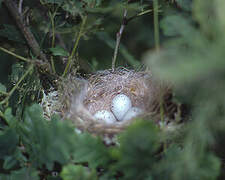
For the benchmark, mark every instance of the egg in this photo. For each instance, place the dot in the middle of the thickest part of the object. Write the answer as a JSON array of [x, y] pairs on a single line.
[[120, 105], [105, 116], [132, 113]]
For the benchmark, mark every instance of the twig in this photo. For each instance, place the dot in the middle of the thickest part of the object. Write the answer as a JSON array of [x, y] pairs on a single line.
[[25, 30], [2, 115], [119, 34], [75, 46], [156, 25], [36, 62], [4, 93], [16, 85], [52, 17], [139, 14], [20, 6], [15, 55], [118, 38]]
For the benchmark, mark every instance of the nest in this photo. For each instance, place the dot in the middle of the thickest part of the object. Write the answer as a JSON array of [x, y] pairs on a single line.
[[81, 98]]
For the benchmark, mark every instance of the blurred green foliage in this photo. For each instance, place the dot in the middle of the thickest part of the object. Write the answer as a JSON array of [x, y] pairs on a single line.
[[191, 58]]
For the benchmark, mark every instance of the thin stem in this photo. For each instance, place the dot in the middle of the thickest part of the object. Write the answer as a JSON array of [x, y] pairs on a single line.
[[3, 117], [1, 114], [139, 15], [4, 93], [156, 24], [162, 118], [52, 17], [52, 65], [118, 38], [16, 85], [15, 55], [20, 9], [75, 47], [35, 61]]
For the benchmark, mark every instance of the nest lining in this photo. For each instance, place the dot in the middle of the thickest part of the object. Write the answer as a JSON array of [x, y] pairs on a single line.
[[104, 86]]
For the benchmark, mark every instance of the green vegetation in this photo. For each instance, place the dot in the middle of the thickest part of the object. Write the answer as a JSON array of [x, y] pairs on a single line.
[[180, 41]]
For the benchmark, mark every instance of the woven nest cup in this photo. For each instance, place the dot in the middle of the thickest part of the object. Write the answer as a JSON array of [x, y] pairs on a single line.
[[93, 103]]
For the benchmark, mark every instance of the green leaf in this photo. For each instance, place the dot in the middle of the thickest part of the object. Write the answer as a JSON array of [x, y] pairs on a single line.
[[73, 172], [91, 149], [11, 120], [204, 165], [17, 71], [138, 145], [10, 32], [58, 51], [9, 162], [175, 25], [185, 4], [22, 174], [46, 142], [59, 2], [73, 7], [2, 88], [8, 142], [14, 160]]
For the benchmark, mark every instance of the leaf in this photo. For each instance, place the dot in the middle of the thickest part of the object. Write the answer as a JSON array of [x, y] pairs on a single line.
[[8, 142], [73, 172], [46, 142], [58, 51], [73, 7], [11, 33], [185, 4], [2, 88], [23, 174], [203, 166], [175, 25], [92, 3], [11, 120], [14, 160], [138, 145], [9, 162], [17, 71], [59, 2], [92, 150]]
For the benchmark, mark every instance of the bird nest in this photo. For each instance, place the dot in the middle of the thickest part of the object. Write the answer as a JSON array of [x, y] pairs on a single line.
[[107, 101]]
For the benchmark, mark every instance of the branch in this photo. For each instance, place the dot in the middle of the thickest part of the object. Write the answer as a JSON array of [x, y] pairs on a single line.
[[9, 94], [25, 30], [139, 14], [119, 34], [80, 33], [20, 9], [118, 38], [37, 62], [15, 55], [156, 24]]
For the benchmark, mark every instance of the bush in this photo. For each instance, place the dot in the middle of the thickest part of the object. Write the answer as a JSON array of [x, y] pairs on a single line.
[[185, 48]]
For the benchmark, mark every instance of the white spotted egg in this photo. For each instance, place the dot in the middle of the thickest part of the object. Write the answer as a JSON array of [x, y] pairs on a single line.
[[120, 105], [105, 116]]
